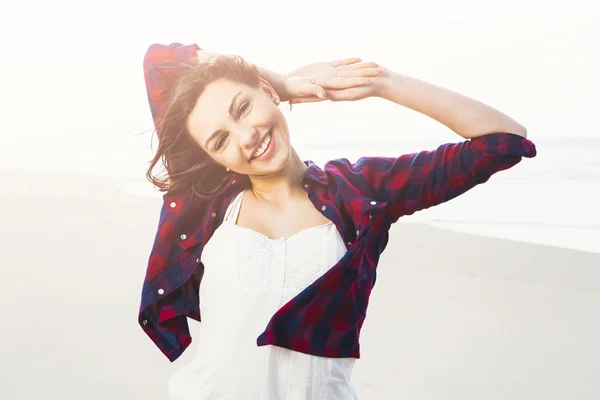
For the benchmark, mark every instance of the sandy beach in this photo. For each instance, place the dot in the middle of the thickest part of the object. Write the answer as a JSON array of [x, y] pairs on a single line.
[[452, 316]]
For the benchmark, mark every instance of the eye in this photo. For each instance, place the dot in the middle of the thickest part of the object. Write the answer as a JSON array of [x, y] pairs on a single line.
[[221, 142], [243, 108]]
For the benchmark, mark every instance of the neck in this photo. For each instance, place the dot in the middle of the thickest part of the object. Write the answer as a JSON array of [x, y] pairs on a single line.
[[279, 188]]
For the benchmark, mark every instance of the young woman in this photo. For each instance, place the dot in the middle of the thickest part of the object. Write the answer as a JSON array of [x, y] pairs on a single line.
[[282, 254]]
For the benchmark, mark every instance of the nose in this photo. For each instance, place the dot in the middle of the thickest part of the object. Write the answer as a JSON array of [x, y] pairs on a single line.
[[248, 136]]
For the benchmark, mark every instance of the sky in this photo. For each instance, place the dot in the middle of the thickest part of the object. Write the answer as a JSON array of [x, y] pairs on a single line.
[[73, 95]]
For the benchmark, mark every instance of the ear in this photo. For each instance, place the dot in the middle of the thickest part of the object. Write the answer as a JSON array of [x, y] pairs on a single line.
[[268, 89]]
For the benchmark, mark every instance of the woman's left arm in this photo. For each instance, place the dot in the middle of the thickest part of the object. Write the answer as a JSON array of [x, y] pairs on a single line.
[[465, 116], [413, 182]]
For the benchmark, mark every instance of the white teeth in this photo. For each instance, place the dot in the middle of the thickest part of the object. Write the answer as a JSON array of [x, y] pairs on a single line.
[[262, 147]]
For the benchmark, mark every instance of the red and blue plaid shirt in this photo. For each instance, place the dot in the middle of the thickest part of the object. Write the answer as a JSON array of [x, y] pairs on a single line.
[[362, 199]]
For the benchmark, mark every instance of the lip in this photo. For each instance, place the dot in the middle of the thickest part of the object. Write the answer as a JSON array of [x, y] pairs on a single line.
[[268, 150]]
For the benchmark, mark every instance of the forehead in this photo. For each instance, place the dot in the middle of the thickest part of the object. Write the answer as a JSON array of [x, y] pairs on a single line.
[[213, 105]]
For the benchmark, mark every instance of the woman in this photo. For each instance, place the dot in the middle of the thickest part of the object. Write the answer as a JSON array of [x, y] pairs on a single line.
[[285, 252]]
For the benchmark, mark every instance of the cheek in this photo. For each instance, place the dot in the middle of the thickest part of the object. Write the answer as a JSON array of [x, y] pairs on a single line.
[[232, 157], [282, 125], [267, 112], [274, 116]]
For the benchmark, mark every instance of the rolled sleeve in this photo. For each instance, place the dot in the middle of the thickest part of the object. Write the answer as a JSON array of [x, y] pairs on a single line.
[[417, 181]]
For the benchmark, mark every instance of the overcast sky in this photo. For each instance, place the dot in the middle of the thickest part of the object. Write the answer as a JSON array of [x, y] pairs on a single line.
[[73, 90]]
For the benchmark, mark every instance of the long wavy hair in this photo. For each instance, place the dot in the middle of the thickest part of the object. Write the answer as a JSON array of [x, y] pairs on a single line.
[[188, 168]]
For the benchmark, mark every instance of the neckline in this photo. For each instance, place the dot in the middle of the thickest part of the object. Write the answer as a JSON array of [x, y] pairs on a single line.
[[233, 220], [283, 238]]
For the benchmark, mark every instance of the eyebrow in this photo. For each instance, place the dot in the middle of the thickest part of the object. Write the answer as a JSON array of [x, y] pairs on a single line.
[[215, 133]]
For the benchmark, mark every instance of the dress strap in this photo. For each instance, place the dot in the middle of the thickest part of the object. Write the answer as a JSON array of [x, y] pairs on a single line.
[[234, 208]]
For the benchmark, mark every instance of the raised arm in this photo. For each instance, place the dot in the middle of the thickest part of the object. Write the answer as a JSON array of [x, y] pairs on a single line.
[[465, 116], [277, 81], [306, 84], [413, 182], [310, 82]]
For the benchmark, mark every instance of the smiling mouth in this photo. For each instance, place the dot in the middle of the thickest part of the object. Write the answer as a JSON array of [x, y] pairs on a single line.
[[264, 146]]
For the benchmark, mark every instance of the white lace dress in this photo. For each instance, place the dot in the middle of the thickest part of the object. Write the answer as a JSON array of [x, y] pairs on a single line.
[[247, 278]]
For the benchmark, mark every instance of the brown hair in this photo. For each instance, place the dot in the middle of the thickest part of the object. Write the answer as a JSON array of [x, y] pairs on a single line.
[[188, 168]]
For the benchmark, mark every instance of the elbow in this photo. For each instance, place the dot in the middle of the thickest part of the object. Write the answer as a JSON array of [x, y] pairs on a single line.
[[514, 129], [519, 130]]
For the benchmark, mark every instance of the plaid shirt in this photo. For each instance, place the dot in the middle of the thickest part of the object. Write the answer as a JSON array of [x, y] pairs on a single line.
[[362, 199]]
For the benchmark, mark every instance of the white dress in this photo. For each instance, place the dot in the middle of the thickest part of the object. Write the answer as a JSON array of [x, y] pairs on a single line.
[[247, 278]]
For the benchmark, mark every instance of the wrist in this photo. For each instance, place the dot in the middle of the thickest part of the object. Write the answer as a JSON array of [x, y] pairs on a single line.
[[282, 87], [385, 85]]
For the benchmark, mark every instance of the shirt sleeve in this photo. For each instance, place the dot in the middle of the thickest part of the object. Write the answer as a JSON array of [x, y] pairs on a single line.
[[414, 182], [161, 69], [170, 289]]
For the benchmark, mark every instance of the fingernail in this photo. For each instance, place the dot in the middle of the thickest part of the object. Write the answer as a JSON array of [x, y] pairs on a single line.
[[321, 95]]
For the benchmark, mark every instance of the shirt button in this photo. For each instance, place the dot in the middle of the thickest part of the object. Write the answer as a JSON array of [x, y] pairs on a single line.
[[233, 181], [214, 215], [349, 243], [323, 208], [161, 291], [197, 260], [357, 232], [373, 203], [183, 236], [145, 322], [173, 205], [306, 185]]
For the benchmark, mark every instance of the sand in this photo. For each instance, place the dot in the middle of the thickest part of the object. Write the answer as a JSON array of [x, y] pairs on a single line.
[[452, 316]]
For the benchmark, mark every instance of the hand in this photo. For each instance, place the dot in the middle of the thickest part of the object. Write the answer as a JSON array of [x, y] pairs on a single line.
[[312, 82], [373, 89]]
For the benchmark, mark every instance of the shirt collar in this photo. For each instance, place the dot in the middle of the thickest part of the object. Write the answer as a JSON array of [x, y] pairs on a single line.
[[315, 173]]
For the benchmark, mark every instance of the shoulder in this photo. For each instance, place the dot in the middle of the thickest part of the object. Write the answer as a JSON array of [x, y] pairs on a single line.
[[358, 171], [358, 177]]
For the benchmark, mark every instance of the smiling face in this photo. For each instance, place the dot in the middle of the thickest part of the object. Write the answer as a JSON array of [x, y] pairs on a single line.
[[241, 128]]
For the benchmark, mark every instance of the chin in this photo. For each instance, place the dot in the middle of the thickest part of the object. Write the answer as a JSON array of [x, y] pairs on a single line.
[[277, 164]]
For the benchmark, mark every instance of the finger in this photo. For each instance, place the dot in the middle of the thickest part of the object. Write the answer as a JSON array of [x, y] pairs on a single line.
[[345, 61], [341, 82], [361, 73], [358, 65]]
